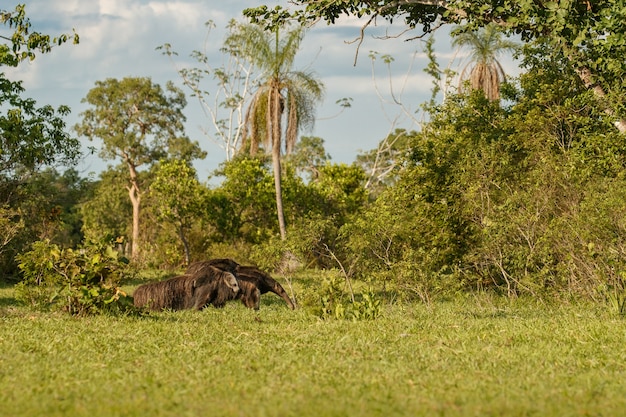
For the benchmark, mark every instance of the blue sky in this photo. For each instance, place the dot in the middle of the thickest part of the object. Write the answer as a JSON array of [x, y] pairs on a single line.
[[118, 39]]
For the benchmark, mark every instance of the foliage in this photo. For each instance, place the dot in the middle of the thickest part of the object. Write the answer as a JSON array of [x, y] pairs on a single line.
[[342, 189], [106, 208], [615, 295], [31, 136], [330, 300], [238, 213], [283, 93], [42, 207], [50, 203], [139, 124], [519, 199], [441, 78], [588, 34], [590, 243], [308, 156], [163, 248], [24, 42], [138, 121], [483, 71], [221, 218], [178, 197], [248, 186], [79, 281], [311, 238], [308, 243], [318, 211], [270, 254], [11, 225]]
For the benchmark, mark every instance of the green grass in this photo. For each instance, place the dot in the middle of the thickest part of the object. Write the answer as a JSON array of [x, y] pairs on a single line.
[[478, 357]]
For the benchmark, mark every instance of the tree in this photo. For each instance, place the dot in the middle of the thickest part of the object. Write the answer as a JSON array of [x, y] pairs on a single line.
[[50, 205], [309, 156], [283, 92], [225, 105], [104, 209], [179, 197], [31, 137], [342, 189], [139, 124], [483, 71], [382, 164], [248, 191], [23, 41], [588, 34]]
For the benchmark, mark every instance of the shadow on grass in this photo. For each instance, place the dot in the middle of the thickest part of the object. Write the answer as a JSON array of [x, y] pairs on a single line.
[[6, 295], [9, 302]]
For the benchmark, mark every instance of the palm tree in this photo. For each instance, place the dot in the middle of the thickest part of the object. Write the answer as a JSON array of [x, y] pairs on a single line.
[[283, 95], [483, 71]]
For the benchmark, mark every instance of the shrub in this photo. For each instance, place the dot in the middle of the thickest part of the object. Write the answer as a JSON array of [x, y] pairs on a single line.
[[79, 281], [330, 301]]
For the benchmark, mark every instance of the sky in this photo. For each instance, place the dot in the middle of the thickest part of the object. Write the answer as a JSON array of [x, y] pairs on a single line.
[[118, 38]]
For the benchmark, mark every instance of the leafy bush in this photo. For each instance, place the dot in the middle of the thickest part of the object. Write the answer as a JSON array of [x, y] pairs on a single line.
[[331, 302], [308, 243], [516, 199], [615, 296], [79, 281]]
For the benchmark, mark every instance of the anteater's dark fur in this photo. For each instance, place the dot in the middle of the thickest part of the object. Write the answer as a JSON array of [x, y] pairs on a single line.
[[192, 290], [225, 264], [252, 281]]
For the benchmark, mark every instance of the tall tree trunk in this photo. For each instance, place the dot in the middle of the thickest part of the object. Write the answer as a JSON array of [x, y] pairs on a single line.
[[135, 199], [275, 107], [279, 193]]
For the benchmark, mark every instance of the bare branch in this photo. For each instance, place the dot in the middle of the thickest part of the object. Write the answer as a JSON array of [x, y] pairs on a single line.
[[440, 24], [345, 273], [361, 37]]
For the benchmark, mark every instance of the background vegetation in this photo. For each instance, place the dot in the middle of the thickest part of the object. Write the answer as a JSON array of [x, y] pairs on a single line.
[[473, 267]]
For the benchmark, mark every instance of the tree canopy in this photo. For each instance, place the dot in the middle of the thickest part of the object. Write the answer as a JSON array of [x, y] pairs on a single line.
[[22, 41], [179, 197], [32, 138], [590, 35], [140, 124], [483, 70]]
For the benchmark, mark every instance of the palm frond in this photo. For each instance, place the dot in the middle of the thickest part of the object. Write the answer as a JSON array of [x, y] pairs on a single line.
[[284, 93], [483, 71], [253, 44], [255, 126], [287, 49]]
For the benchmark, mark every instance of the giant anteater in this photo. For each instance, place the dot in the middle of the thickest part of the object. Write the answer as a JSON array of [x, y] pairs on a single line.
[[195, 290]]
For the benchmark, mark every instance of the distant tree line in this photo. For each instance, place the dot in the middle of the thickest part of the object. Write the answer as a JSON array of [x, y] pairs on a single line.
[[522, 193]]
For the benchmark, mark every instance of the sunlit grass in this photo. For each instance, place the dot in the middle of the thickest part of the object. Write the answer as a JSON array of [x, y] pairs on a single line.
[[478, 357]]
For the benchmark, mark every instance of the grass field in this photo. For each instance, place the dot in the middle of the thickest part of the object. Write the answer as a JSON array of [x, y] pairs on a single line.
[[481, 356]]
